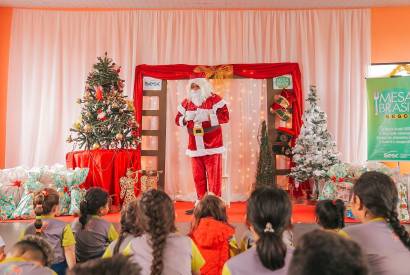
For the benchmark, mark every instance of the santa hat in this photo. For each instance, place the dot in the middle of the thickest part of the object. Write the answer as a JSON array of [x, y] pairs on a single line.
[[204, 85]]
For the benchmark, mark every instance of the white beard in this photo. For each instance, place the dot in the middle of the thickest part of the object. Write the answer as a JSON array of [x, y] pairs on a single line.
[[196, 97]]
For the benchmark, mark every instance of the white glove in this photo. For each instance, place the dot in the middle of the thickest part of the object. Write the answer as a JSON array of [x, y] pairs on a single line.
[[189, 115], [201, 116]]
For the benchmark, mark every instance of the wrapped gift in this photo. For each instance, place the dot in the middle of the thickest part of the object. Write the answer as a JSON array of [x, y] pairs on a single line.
[[74, 179], [7, 207], [25, 210], [11, 182], [60, 185], [328, 192]]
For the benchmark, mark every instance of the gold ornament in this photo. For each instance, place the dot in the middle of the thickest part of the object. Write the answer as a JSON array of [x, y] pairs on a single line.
[[77, 125], [119, 136], [79, 101], [87, 128], [69, 139], [130, 105], [96, 146], [114, 106]]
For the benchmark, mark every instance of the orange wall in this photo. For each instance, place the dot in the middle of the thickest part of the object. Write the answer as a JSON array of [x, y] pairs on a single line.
[[5, 28], [390, 35]]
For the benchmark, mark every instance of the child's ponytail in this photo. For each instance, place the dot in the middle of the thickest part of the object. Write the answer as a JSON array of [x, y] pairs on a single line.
[[83, 219], [38, 210], [271, 248], [268, 212], [43, 203]]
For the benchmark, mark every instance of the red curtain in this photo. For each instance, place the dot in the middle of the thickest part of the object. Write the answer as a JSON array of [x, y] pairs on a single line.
[[106, 167], [255, 71]]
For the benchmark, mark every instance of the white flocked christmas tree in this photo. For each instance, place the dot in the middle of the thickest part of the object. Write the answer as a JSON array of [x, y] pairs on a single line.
[[315, 150]]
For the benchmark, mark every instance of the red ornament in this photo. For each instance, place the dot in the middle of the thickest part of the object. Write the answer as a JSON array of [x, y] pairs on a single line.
[[341, 179], [99, 93], [333, 178], [17, 183], [66, 189], [120, 85]]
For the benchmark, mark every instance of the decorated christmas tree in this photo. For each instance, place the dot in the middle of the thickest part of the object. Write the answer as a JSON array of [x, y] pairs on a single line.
[[264, 173], [315, 151], [107, 118]]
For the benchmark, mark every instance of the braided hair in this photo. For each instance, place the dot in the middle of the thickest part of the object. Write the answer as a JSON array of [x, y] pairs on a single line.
[[94, 200], [43, 203], [331, 214], [129, 224], [158, 221], [269, 211], [378, 193]]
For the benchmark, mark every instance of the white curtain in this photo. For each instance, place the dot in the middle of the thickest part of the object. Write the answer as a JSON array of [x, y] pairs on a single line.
[[52, 52]]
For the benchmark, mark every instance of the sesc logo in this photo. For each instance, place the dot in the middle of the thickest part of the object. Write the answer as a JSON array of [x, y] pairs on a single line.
[[391, 155]]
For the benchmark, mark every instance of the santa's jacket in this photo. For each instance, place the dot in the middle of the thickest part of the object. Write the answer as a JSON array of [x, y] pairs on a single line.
[[211, 141]]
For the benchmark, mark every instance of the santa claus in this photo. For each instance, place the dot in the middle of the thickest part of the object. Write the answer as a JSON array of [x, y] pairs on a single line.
[[202, 113]]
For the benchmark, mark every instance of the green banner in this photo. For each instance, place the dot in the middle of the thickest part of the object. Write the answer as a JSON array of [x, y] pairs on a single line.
[[388, 117]]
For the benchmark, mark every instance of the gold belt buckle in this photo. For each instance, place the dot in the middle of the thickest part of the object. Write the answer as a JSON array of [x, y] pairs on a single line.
[[198, 131]]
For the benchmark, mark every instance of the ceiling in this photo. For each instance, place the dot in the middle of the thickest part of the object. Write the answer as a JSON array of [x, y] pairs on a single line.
[[201, 4]]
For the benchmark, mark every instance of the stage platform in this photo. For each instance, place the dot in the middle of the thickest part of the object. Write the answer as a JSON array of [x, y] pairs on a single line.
[[301, 213]]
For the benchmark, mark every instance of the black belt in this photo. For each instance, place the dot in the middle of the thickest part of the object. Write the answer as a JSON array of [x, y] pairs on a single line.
[[206, 130]]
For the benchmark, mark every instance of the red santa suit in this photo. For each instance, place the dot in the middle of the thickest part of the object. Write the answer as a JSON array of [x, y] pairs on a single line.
[[205, 146]]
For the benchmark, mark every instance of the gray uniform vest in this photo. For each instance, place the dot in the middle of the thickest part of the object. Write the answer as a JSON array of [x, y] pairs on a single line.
[[53, 230], [123, 244], [385, 252], [24, 268], [92, 241], [248, 262], [177, 254]]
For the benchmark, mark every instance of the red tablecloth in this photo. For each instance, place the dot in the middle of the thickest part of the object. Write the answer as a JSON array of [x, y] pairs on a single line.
[[106, 168]]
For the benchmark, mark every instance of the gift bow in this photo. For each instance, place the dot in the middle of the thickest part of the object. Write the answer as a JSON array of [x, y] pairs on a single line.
[[215, 72]]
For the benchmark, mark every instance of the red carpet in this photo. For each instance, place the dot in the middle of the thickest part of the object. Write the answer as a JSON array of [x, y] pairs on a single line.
[[302, 213]]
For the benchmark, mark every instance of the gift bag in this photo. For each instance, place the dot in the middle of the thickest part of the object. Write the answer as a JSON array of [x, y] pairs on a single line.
[[328, 191], [60, 185], [74, 180], [7, 207], [25, 210], [11, 182]]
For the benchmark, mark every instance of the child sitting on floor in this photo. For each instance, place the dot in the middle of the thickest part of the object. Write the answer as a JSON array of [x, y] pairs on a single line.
[[381, 236], [330, 214], [268, 214], [30, 256], [58, 233], [161, 250], [129, 229], [92, 233], [213, 235]]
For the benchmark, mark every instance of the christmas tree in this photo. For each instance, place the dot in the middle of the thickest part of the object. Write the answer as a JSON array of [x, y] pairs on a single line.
[[264, 173], [315, 151], [107, 118]]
